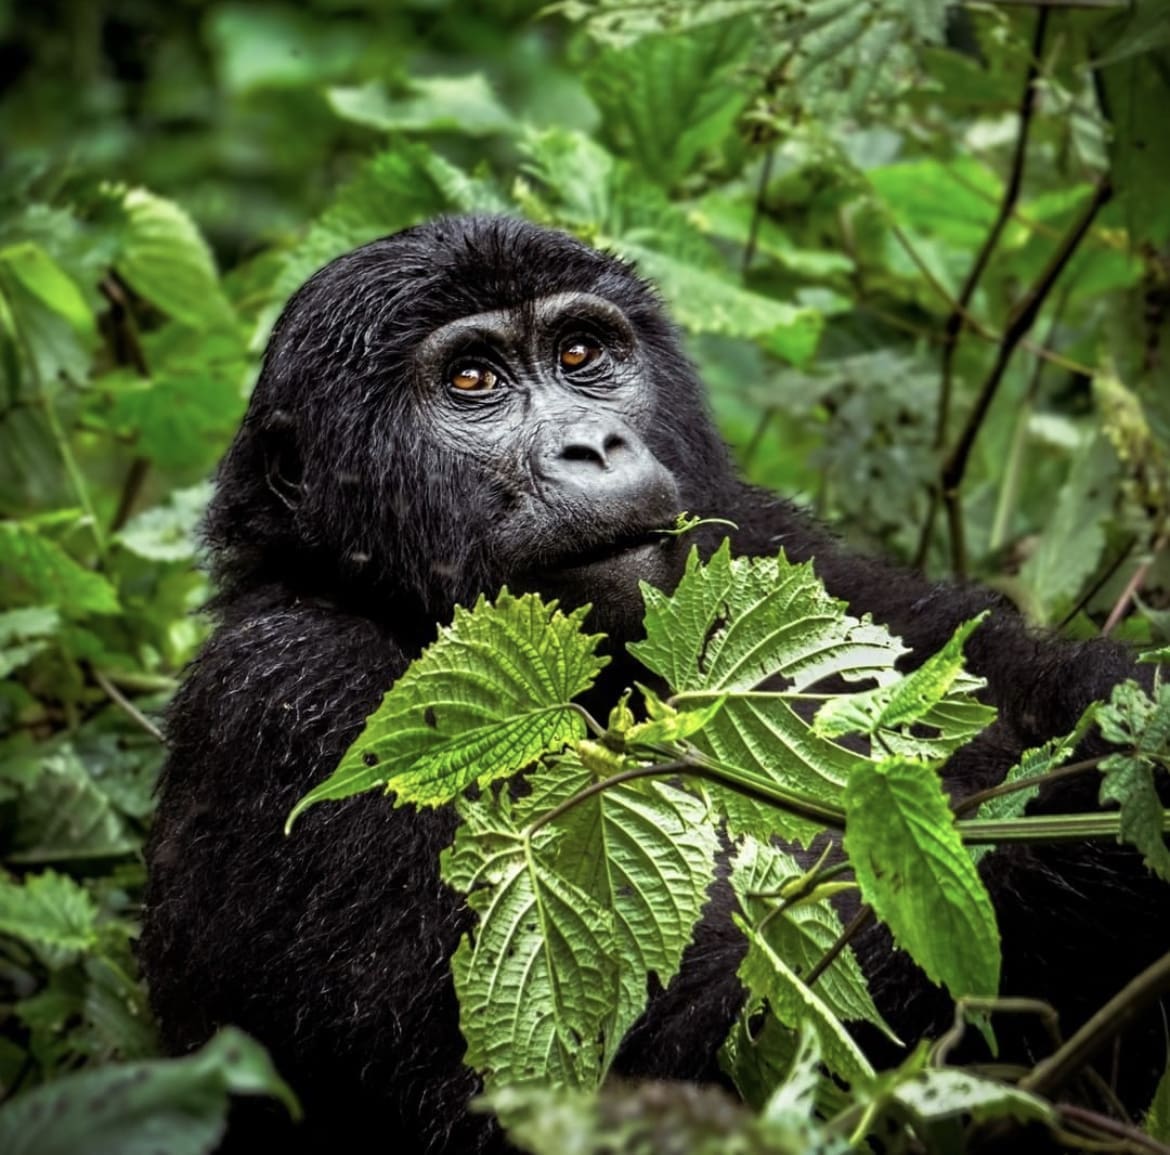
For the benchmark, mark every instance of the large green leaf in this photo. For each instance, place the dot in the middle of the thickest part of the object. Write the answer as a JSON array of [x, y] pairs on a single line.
[[463, 104], [44, 573], [176, 1105], [667, 98], [767, 975], [50, 912], [538, 978], [802, 933], [487, 699], [165, 258], [644, 852], [914, 871]]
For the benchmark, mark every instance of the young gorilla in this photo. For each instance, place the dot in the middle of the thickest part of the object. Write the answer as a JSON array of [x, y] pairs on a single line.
[[473, 402]]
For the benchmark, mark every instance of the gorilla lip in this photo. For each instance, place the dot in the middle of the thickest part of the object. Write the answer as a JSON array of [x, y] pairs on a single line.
[[609, 550]]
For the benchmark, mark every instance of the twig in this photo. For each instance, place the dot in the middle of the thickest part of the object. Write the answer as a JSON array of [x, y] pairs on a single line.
[[856, 925], [127, 351], [1021, 319], [1132, 586], [973, 801], [953, 327], [1097, 585], [1088, 1120], [1101, 1029], [127, 707], [749, 250]]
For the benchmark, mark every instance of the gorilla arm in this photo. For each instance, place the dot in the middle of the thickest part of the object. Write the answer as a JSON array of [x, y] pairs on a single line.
[[331, 945]]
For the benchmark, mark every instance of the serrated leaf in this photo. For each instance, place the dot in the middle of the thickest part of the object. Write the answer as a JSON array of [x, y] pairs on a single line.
[[666, 98], [928, 714], [766, 975], [944, 1092], [646, 852], [801, 934], [24, 634], [914, 871], [139, 1108], [1037, 760], [51, 912], [537, 979], [165, 258], [1157, 1120], [705, 302], [1133, 719], [46, 574], [735, 623], [487, 699]]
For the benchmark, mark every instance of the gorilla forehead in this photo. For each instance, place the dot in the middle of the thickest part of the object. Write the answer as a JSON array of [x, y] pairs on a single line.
[[379, 302]]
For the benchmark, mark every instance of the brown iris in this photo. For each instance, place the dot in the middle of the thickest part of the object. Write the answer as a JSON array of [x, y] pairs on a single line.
[[578, 353], [473, 377]]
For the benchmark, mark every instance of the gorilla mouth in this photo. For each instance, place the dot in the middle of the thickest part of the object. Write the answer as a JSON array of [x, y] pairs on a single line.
[[612, 550]]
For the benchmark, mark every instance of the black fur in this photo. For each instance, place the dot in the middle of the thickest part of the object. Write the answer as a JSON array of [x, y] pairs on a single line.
[[351, 513]]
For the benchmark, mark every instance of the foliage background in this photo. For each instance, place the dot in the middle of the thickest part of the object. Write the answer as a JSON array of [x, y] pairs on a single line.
[[853, 210]]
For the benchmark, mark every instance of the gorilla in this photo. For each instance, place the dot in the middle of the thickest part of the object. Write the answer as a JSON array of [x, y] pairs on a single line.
[[473, 402]]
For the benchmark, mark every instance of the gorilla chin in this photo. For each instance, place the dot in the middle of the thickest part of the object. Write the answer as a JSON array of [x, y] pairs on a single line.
[[609, 577]]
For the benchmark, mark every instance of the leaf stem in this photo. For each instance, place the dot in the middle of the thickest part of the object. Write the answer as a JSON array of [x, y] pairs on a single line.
[[1045, 828]]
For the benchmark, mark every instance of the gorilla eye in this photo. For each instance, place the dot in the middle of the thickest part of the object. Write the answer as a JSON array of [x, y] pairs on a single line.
[[578, 353], [473, 378]]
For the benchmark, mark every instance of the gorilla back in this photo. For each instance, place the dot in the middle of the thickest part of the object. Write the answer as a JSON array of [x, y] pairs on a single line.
[[470, 403]]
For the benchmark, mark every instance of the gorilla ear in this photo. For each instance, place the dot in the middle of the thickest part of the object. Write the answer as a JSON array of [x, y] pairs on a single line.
[[282, 461]]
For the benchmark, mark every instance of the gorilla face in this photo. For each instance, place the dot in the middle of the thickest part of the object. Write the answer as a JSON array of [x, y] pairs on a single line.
[[438, 417], [548, 403]]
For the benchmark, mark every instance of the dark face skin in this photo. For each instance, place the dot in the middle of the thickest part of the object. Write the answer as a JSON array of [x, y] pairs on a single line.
[[548, 403]]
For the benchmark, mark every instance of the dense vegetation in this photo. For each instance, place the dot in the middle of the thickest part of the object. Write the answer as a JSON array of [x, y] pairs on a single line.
[[921, 252]]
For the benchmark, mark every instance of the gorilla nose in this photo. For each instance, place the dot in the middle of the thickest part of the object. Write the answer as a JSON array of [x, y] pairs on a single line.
[[608, 462]]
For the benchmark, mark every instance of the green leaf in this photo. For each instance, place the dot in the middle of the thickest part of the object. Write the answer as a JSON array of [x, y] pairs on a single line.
[[51, 912], [914, 871], [732, 625], [705, 302], [1131, 718], [767, 975], [67, 813], [537, 979], [802, 933], [165, 259], [1157, 1121], [1070, 547], [666, 99], [463, 104], [24, 634], [44, 573], [485, 700], [141, 1108], [913, 700], [645, 852], [1033, 762], [940, 1093], [50, 284], [167, 532]]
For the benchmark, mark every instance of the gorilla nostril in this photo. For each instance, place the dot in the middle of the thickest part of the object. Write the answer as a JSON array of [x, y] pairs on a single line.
[[580, 451]]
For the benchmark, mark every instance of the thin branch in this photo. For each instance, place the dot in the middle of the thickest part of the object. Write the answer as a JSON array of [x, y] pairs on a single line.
[[856, 925], [1132, 586], [973, 801], [1098, 585], [749, 250], [127, 351], [127, 707], [1020, 320], [953, 327], [1126, 1006], [1135, 1138]]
